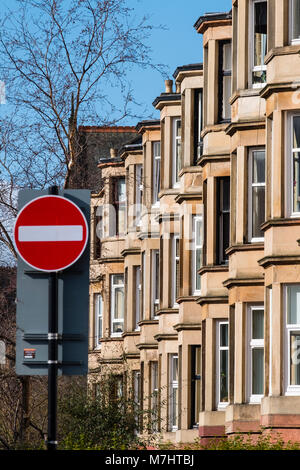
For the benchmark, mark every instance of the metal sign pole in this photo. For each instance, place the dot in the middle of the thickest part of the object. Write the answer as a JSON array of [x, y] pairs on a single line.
[[52, 354]]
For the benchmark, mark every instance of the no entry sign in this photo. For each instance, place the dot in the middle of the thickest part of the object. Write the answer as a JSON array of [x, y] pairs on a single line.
[[50, 233]]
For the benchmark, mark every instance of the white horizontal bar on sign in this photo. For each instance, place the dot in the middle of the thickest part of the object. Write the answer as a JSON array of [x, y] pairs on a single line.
[[50, 233]]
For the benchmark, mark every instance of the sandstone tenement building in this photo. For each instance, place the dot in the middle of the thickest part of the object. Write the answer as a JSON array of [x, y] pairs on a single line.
[[195, 262]]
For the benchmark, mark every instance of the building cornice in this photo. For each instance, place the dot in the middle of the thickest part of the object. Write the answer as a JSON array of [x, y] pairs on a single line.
[[212, 20], [283, 222], [166, 337], [147, 125], [188, 298], [166, 311], [111, 260], [245, 247], [145, 235], [148, 322], [279, 260], [244, 126], [232, 282], [213, 269], [187, 326], [223, 157], [131, 251], [166, 99], [219, 127], [217, 299], [188, 197], [141, 346]]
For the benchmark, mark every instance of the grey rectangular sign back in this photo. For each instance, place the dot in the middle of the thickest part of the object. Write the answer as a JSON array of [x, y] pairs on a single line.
[[73, 306]]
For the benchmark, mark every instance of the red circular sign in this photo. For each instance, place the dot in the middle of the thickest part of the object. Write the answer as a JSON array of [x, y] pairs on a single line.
[[50, 233]]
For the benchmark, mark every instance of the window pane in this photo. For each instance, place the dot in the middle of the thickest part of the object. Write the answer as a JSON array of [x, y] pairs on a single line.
[[118, 279], [175, 369], [295, 362], [293, 299], [258, 210], [260, 32], [121, 189], [257, 324], [227, 57], [178, 128], [226, 113], [224, 376], [118, 327], [258, 167], [174, 406], [119, 302], [296, 132], [223, 335], [178, 157], [296, 18], [257, 371]]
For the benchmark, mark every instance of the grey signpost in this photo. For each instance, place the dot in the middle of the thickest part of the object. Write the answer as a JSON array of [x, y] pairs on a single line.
[[52, 336]]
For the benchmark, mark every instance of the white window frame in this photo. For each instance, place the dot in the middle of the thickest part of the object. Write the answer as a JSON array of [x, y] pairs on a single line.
[[156, 161], [252, 68], [175, 139], [291, 390], [138, 293], [293, 41], [98, 309], [196, 220], [175, 264], [154, 300], [252, 344], [252, 185], [113, 288], [220, 405], [173, 385], [289, 165]]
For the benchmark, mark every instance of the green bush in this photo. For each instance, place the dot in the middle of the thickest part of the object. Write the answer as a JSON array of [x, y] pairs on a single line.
[[108, 421]]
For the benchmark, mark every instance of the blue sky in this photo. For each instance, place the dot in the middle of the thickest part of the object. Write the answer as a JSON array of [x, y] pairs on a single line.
[[178, 45], [175, 45]]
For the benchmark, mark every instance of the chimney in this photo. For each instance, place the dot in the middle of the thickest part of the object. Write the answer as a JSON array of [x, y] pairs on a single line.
[[169, 86], [178, 87], [113, 153]]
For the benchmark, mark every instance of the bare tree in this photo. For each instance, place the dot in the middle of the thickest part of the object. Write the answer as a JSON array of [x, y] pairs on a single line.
[[62, 61]]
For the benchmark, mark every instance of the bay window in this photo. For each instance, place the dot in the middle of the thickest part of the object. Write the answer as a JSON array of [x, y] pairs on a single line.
[[256, 193], [156, 171], [117, 304], [292, 343], [258, 42], [255, 360], [222, 364]]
